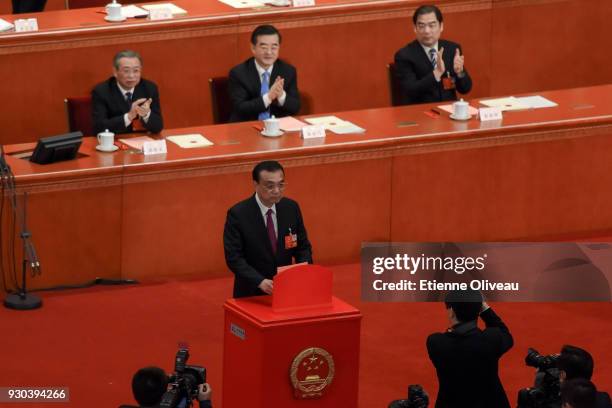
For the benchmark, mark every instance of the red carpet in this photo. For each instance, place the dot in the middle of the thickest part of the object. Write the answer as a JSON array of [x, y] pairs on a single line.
[[93, 340]]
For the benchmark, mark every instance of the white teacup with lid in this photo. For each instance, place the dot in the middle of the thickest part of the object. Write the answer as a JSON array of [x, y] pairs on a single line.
[[106, 140], [113, 12], [461, 110]]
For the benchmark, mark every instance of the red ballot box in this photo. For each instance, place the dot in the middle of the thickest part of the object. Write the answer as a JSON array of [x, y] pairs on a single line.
[[296, 348]]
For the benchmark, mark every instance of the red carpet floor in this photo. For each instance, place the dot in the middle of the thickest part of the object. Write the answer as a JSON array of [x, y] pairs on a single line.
[[93, 340]]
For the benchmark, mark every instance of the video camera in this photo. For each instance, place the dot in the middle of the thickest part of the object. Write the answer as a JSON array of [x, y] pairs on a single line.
[[183, 383], [546, 391], [417, 398]]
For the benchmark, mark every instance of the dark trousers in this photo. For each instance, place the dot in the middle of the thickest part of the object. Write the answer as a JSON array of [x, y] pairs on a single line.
[[28, 6]]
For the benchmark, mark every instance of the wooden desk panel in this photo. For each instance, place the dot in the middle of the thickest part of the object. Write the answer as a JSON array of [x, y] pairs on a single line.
[[340, 47], [539, 174]]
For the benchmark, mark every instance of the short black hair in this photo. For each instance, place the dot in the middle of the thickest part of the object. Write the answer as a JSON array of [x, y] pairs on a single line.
[[578, 393], [426, 9], [268, 165], [149, 385], [265, 29], [576, 362], [465, 303]]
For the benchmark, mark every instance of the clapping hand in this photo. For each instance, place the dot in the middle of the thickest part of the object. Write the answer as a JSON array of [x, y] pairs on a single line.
[[458, 62], [440, 67], [277, 89]]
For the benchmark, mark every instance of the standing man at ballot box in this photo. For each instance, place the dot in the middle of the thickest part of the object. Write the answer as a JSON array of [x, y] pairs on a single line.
[[430, 69], [126, 102], [263, 86], [264, 232]]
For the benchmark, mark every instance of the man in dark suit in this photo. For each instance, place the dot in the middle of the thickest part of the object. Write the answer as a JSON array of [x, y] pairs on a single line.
[[466, 358], [264, 232], [581, 393], [430, 69], [28, 6], [263, 86], [575, 363], [126, 103]]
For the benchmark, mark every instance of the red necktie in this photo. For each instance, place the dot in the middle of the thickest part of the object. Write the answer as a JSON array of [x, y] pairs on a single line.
[[271, 233]]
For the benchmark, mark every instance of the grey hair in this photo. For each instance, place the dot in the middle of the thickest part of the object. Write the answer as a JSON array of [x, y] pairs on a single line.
[[125, 54]]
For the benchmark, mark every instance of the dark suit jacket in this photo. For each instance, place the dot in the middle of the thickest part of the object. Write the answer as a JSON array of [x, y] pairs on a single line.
[[414, 71], [466, 362], [245, 91], [28, 6], [109, 106], [603, 400], [248, 252]]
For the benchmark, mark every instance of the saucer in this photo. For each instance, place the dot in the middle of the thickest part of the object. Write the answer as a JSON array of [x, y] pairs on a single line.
[[266, 134], [113, 148], [453, 117], [123, 18]]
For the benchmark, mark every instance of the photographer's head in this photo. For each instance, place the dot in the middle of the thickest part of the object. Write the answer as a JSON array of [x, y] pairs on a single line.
[[463, 305], [149, 385], [574, 362], [578, 393]]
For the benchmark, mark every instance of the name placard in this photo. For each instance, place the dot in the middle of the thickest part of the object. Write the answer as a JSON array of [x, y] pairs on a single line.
[[313, 132], [162, 13], [26, 24], [487, 114], [155, 147], [303, 3]]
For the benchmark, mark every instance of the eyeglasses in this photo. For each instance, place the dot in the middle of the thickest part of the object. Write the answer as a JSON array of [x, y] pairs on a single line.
[[423, 26], [271, 187]]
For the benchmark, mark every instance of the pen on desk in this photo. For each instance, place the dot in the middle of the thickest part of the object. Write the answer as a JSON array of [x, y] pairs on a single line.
[[437, 112]]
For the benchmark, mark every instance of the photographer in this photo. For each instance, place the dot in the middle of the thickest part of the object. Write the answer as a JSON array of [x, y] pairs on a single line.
[[151, 383], [552, 372], [466, 358], [574, 363], [578, 393]]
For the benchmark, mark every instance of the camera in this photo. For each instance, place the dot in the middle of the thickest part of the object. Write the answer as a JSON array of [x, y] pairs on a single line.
[[183, 383], [417, 398], [546, 391]]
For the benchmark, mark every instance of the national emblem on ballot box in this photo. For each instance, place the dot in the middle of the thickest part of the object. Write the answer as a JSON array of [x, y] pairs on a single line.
[[311, 372]]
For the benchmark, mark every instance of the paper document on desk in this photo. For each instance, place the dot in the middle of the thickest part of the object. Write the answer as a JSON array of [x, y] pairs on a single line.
[[136, 142], [190, 141], [449, 108], [5, 25], [290, 124], [243, 3], [336, 125], [505, 104], [176, 11], [536, 102], [133, 11]]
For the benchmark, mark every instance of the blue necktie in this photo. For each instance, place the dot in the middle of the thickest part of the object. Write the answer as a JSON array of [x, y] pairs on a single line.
[[128, 98], [432, 57], [265, 87]]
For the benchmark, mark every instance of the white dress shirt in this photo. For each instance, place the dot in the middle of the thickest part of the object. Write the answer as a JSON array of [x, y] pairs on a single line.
[[265, 97]]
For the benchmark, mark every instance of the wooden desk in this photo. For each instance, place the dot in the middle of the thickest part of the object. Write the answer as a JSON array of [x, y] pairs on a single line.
[[540, 174], [341, 49]]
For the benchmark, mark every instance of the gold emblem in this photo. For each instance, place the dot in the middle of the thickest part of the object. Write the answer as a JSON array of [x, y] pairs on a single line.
[[311, 372]]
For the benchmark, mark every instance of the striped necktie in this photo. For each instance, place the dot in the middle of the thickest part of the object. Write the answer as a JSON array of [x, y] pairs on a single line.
[[432, 56]]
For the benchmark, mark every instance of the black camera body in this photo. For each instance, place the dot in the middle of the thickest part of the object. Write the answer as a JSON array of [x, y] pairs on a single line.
[[417, 398], [184, 382], [546, 391]]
